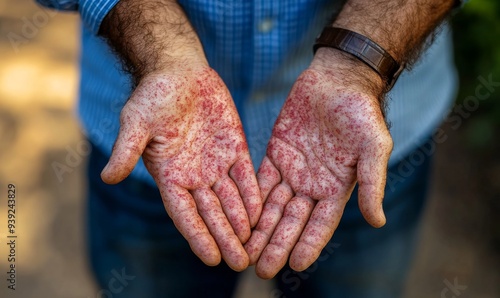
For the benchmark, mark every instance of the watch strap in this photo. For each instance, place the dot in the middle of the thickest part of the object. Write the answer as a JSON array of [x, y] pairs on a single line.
[[362, 48]]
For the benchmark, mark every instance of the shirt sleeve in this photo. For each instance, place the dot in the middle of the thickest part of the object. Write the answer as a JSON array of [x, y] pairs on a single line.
[[92, 12]]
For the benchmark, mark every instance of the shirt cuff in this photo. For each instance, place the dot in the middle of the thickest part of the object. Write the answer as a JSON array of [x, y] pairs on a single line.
[[93, 12]]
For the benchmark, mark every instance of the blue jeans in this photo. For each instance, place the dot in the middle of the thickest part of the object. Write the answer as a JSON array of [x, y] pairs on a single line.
[[136, 251]]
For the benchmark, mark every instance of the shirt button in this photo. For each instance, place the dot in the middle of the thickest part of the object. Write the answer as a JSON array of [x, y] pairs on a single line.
[[266, 25]]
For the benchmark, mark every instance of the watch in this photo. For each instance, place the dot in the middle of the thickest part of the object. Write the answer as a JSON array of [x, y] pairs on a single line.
[[363, 49]]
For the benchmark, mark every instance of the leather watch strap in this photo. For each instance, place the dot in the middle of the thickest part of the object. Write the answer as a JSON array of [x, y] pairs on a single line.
[[362, 48]]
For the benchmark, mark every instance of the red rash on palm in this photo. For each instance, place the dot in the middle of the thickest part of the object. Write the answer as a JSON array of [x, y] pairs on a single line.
[[187, 129], [325, 138]]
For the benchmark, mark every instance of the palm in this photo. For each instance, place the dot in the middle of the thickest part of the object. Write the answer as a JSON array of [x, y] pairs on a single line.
[[197, 141]]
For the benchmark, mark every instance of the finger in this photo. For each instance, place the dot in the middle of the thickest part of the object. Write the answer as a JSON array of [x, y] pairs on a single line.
[[230, 246], [319, 230], [268, 177], [284, 238], [129, 145], [372, 174], [271, 215], [233, 208], [181, 207], [243, 175]]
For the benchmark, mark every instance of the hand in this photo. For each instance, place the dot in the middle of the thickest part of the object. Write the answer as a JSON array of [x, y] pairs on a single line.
[[329, 134], [186, 127]]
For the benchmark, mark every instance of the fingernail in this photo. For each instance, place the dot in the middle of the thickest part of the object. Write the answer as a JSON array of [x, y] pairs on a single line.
[[105, 168]]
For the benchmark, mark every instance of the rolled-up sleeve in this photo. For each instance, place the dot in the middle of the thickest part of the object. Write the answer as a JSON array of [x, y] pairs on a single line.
[[92, 12]]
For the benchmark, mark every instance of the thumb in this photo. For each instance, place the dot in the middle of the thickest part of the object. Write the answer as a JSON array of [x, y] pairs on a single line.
[[129, 145], [372, 175]]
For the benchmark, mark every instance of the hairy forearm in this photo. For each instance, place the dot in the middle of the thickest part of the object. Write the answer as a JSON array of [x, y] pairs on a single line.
[[151, 36], [399, 26]]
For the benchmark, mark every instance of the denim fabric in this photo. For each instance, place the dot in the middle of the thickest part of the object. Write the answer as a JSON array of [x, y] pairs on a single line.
[[137, 252]]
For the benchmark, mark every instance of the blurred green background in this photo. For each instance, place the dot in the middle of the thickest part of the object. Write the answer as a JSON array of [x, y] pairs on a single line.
[[477, 52]]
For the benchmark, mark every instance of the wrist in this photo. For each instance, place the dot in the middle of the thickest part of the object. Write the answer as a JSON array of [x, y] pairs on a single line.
[[187, 56], [375, 33], [364, 49], [401, 28], [347, 71], [152, 37]]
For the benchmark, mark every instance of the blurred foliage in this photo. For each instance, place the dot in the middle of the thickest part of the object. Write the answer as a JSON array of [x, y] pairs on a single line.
[[477, 53]]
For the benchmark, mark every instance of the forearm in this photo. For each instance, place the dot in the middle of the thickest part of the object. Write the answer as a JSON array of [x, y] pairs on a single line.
[[399, 26], [152, 36]]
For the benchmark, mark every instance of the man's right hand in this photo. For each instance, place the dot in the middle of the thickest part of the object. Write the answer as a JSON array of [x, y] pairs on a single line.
[[186, 127]]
